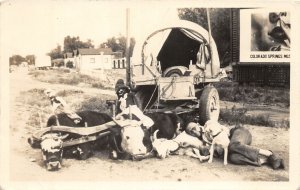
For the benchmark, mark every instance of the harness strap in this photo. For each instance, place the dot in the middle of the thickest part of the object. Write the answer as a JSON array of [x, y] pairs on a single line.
[[117, 147], [217, 134], [177, 144], [207, 139]]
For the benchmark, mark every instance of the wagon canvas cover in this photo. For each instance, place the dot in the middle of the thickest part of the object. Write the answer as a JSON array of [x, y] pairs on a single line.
[[174, 44]]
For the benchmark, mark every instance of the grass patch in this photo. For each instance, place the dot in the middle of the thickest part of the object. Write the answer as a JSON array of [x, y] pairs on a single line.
[[231, 91], [96, 104], [36, 105], [236, 116], [66, 93], [69, 77], [34, 98]]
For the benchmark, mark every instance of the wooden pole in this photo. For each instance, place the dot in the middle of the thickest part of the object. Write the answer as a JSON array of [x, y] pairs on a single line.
[[209, 41], [128, 75]]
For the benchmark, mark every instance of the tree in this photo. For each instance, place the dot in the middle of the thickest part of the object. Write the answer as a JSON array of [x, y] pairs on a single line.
[[220, 25], [30, 59], [56, 53], [73, 43], [16, 60], [118, 44]]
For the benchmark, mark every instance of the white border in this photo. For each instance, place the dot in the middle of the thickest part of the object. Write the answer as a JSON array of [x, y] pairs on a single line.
[[294, 115]]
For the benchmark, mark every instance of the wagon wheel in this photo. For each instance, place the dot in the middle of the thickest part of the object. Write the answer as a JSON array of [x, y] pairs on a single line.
[[209, 105], [174, 73], [143, 96]]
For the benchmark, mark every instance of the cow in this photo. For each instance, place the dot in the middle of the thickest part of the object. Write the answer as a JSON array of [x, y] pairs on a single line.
[[51, 142], [134, 141]]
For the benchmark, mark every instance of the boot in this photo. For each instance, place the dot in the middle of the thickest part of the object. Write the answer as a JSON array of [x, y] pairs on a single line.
[[275, 162]]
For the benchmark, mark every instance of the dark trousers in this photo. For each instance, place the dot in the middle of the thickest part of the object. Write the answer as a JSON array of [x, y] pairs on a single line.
[[239, 150]]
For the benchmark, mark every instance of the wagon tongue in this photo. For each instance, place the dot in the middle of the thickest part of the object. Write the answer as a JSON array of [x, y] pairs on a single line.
[[83, 131]]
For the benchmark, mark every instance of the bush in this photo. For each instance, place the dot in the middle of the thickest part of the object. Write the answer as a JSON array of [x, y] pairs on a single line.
[[70, 64]]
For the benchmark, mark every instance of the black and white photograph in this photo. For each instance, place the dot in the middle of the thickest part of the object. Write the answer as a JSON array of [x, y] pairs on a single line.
[[148, 95], [270, 31]]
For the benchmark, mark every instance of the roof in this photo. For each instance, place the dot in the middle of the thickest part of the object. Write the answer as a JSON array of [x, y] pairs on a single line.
[[91, 51], [106, 51]]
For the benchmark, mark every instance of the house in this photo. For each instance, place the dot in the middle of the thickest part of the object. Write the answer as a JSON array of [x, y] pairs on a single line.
[[89, 58]]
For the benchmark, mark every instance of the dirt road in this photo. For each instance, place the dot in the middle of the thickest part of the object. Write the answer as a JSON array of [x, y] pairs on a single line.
[[27, 162]]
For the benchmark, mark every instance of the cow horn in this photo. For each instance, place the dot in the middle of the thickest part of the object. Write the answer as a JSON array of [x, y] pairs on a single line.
[[155, 135], [64, 136]]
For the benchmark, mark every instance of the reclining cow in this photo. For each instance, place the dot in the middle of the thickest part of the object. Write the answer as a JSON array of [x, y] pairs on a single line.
[[52, 141], [134, 141]]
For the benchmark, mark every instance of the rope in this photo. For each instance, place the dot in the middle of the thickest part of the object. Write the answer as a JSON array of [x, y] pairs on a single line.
[[173, 87]]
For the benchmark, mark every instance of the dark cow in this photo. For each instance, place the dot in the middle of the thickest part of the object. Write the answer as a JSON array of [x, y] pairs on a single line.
[[129, 142], [51, 143], [135, 142]]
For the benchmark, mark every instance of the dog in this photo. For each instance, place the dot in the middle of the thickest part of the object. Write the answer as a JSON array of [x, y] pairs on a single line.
[[183, 144], [217, 135]]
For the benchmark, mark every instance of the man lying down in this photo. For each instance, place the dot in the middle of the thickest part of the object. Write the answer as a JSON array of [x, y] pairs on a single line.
[[240, 151], [194, 142]]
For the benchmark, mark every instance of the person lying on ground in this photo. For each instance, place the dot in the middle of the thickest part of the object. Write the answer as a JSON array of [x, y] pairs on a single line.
[[240, 151]]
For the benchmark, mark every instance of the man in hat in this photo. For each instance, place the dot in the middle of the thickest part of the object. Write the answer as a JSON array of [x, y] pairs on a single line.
[[59, 105], [240, 151], [127, 106]]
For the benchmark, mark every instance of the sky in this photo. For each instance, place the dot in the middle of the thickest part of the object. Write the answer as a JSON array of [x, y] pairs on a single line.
[[36, 27]]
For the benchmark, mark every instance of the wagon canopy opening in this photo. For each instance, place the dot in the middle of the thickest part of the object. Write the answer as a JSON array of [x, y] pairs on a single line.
[[174, 47], [179, 49]]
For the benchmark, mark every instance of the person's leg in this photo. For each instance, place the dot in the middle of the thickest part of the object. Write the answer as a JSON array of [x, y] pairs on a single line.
[[240, 144], [240, 159], [248, 154]]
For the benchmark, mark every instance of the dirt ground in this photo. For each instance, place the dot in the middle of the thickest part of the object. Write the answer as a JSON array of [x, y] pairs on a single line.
[[27, 162]]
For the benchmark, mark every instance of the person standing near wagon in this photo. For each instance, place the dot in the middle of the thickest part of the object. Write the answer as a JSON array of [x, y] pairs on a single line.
[[127, 106], [59, 105]]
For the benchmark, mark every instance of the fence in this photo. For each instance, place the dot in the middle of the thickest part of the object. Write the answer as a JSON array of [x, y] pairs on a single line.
[[268, 75], [119, 63]]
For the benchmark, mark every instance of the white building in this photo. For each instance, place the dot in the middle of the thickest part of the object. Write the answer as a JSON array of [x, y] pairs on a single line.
[[89, 59]]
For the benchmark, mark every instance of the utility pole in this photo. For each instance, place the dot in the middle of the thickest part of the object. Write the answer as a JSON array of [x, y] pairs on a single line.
[[128, 68], [210, 41]]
